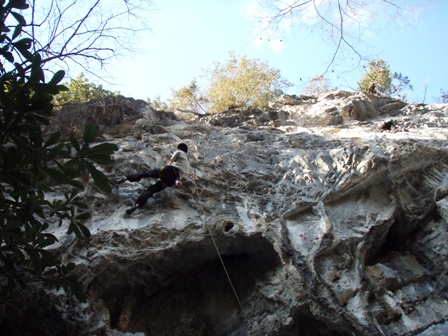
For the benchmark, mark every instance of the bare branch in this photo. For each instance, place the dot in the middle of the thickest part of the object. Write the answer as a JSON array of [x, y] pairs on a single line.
[[337, 18], [85, 33]]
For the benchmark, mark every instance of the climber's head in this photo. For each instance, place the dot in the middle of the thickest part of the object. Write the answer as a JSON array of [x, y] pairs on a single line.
[[183, 147]]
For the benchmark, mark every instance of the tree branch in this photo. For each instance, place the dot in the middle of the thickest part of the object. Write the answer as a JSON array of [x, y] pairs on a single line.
[[336, 17]]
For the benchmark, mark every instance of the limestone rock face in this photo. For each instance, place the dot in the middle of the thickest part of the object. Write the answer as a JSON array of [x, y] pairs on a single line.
[[334, 108], [305, 219]]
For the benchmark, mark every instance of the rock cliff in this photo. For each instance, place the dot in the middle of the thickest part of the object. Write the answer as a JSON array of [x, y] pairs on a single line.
[[308, 218]]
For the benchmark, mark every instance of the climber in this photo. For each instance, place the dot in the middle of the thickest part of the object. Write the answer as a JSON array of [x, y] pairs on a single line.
[[387, 126], [178, 167], [372, 89]]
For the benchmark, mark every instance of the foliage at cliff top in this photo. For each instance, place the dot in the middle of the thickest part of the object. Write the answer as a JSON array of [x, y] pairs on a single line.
[[378, 79], [240, 82], [243, 82], [80, 90]]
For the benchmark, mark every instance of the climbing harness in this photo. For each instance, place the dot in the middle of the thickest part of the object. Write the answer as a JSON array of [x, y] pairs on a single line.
[[202, 211], [177, 184], [176, 173]]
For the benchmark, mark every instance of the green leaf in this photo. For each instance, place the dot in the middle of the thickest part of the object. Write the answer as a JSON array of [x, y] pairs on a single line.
[[84, 150], [41, 119], [35, 259], [20, 19], [77, 289], [101, 153], [84, 230], [37, 73], [57, 77], [17, 31], [20, 70], [62, 88], [73, 141], [73, 164], [19, 4], [104, 148], [47, 258], [99, 178], [16, 237], [48, 88], [12, 225], [73, 228], [78, 185], [90, 133], [54, 137], [83, 216], [46, 239], [73, 194], [56, 150], [8, 56], [57, 175], [24, 43]]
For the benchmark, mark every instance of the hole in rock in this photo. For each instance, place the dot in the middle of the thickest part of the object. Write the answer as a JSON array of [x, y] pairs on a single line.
[[394, 242], [193, 296], [306, 324], [382, 244], [400, 234], [229, 226]]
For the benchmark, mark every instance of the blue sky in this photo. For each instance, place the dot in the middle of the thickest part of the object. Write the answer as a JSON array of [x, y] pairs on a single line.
[[188, 36]]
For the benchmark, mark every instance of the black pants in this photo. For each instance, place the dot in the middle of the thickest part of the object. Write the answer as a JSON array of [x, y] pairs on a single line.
[[167, 175]]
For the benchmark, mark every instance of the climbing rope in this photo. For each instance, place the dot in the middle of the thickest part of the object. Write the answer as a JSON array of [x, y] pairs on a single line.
[[202, 211]]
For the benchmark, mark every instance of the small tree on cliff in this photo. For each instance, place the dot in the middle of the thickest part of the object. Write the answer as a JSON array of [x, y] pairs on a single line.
[[243, 82], [187, 98], [400, 84], [378, 79], [157, 104]]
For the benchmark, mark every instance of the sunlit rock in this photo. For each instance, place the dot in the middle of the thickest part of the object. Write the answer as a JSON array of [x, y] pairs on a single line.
[[302, 219]]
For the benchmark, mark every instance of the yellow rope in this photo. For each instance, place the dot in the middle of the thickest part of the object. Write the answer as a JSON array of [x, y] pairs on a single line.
[[202, 211]]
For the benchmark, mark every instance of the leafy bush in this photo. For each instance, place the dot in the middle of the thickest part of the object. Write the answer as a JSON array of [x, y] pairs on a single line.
[[81, 91], [34, 165], [157, 104], [187, 98], [316, 85], [243, 83], [378, 79], [239, 83]]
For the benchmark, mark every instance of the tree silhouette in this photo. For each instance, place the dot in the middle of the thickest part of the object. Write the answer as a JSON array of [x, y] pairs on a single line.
[[34, 164]]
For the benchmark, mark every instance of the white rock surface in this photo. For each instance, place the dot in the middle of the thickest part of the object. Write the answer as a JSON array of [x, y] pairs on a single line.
[[325, 225]]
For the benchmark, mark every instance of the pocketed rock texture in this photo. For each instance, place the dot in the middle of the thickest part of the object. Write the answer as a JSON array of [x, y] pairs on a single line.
[[325, 224]]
